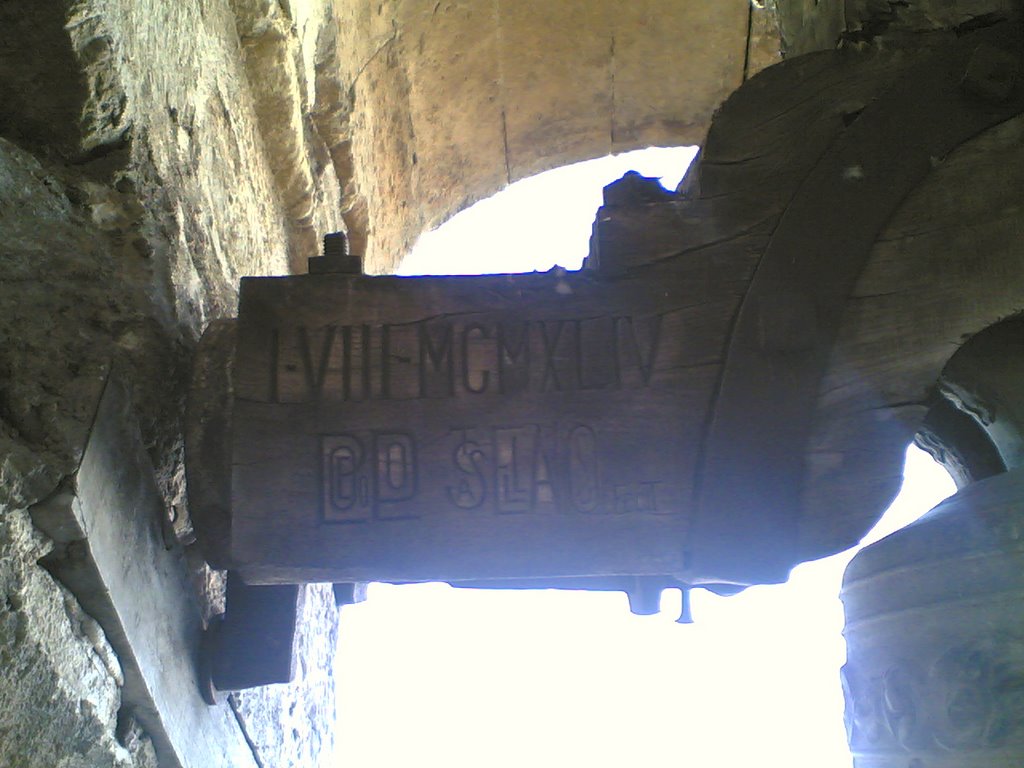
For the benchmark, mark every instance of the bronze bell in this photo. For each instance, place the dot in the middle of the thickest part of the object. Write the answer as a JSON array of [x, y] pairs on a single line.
[[935, 636]]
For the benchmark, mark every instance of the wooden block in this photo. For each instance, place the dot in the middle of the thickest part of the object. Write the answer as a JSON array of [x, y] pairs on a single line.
[[471, 427]]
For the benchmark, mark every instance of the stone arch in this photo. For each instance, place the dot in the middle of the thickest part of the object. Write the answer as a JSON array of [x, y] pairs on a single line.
[[453, 101]]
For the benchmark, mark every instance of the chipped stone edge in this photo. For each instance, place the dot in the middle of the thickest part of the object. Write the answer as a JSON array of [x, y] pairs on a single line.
[[111, 555]]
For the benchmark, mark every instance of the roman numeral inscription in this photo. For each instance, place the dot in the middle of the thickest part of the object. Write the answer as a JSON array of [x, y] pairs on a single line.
[[471, 427], [444, 358]]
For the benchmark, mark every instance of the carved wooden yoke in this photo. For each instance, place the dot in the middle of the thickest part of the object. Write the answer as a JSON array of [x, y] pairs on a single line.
[[882, 198], [727, 392]]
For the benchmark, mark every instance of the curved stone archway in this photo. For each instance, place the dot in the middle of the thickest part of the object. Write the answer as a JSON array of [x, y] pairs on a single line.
[[451, 101]]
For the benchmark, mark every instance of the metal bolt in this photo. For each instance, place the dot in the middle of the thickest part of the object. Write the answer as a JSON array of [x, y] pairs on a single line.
[[336, 257], [335, 245], [685, 617]]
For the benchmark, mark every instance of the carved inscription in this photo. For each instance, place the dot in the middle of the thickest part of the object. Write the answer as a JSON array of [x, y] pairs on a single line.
[[367, 474], [442, 358], [525, 469], [504, 470], [487, 427]]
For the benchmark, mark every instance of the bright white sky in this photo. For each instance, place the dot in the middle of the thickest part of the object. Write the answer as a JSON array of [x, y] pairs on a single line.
[[433, 676], [537, 222]]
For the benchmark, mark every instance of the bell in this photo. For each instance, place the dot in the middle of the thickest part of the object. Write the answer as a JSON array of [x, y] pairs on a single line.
[[935, 636]]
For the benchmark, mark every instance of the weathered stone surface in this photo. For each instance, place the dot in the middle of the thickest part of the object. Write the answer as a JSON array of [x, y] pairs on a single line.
[[292, 726], [764, 43], [59, 678], [146, 608], [61, 334], [42, 91], [136, 187], [202, 175], [452, 101], [282, 51]]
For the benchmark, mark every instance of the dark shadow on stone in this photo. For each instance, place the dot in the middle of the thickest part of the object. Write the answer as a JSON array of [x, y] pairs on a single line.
[[42, 87]]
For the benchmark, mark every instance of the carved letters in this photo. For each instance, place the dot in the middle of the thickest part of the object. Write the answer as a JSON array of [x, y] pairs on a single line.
[[366, 474], [499, 470], [478, 427], [525, 469], [442, 358], [509, 469]]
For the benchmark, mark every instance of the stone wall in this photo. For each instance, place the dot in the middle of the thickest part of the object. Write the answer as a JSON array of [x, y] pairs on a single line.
[[151, 153], [452, 101]]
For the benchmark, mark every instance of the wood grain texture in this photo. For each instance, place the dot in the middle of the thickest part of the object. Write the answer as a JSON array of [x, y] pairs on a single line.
[[765, 345], [763, 142], [946, 266], [473, 427], [779, 349], [208, 441]]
